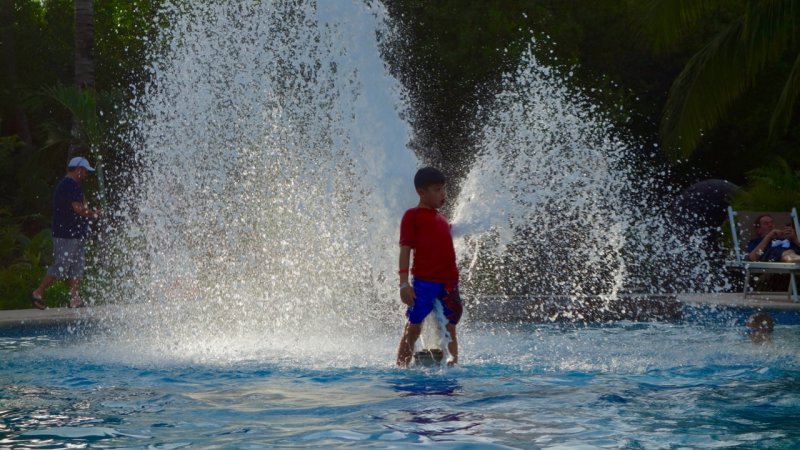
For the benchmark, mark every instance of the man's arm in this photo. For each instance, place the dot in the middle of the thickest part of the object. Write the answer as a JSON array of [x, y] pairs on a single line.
[[756, 253], [791, 234], [82, 210]]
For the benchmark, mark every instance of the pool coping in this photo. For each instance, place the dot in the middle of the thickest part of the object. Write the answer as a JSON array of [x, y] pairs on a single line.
[[634, 307], [49, 316], [631, 307], [769, 301]]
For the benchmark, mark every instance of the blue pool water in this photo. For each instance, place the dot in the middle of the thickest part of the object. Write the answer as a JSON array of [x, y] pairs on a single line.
[[626, 385]]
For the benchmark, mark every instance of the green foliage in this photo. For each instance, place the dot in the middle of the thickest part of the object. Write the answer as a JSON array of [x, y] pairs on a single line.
[[781, 116], [123, 29], [37, 106], [449, 55], [669, 20], [730, 63], [8, 147], [39, 249], [740, 81], [453, 53], [87, 131], [18, 280], [81, 104], [775, 187], [21, 263], [16, 283]]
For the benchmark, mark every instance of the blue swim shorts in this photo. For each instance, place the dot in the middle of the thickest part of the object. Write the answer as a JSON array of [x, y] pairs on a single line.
[[426, 293]]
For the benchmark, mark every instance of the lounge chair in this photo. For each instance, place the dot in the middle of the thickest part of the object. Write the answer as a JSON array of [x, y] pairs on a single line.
[[743, 229]]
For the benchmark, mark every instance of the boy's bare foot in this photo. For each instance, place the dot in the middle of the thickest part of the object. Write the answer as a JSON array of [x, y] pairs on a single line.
[[452, 362], [76, 303]]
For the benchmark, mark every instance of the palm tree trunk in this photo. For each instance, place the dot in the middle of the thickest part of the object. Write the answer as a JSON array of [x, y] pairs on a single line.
[[84, 78], [84, 64], [84, 43]]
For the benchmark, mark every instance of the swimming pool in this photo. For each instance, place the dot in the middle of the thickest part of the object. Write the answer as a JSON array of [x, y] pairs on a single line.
[[632, 385]]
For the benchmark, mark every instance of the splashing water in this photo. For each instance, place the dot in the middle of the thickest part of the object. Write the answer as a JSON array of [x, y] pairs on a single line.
[[273, 170], [555, 203], [255, 269], [272, 173]]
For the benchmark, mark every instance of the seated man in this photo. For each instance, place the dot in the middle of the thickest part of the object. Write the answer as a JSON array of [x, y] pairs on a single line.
[[773, 244]]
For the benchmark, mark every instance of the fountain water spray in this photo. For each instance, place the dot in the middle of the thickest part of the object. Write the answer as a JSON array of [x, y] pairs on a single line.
[[272, 172], [557, 203]]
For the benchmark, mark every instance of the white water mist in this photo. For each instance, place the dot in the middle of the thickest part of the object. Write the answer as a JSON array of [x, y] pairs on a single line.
[[556, 204], [272, 170]]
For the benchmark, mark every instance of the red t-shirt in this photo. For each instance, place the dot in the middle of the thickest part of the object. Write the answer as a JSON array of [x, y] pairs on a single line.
[[428, 233]]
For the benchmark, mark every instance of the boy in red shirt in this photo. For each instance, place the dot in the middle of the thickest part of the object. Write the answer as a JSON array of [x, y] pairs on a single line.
[[427, 232]]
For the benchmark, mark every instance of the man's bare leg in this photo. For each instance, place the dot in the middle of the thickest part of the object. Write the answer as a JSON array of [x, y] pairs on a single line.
[[74, 295], [38, 293], [47, 281], [790, 256], [452, 346], [406, 349]]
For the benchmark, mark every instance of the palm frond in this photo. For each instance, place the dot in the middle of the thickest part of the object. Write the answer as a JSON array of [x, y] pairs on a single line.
[[716, 75], [777, 174], [784, 109], [81, 103], [704, 90], [773, 187], [771, 28], [666, 20], [55, 135]]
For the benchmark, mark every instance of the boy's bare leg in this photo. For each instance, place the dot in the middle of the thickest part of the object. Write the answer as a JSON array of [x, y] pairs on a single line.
[[452, 346], [406, 349]]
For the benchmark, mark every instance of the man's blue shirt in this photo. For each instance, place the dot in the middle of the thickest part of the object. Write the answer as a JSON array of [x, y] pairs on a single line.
[[66, 223], [774, 250]]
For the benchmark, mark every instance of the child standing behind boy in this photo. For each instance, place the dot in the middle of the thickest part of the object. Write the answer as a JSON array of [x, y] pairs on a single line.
[[427, 232]]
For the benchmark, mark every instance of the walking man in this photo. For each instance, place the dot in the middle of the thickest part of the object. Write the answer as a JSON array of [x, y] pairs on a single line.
[[70, 227]]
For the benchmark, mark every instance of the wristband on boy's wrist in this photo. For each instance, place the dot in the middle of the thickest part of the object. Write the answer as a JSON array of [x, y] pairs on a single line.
[[403, 270], [404, 285]]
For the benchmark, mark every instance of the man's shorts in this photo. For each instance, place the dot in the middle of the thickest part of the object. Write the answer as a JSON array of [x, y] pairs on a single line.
[[426, 293], [68, 259]]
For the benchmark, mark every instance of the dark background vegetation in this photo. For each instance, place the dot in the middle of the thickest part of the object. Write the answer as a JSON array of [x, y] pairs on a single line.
[[453, 53], [37, 51], [450, 55]]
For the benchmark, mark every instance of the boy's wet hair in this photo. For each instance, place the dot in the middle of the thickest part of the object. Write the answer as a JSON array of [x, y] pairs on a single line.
[[428, 176]]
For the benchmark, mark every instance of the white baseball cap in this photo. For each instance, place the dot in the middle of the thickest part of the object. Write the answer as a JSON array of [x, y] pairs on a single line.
[[80, 161]]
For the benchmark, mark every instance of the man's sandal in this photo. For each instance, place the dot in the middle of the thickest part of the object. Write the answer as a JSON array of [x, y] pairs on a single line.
[[37, 303]]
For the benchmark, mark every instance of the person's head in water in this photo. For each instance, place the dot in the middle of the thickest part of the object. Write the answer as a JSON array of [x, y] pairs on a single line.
[[760, 326], [429, 183]]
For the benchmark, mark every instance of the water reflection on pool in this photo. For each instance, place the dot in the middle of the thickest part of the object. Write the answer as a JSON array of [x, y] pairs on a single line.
[[532, 386]]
